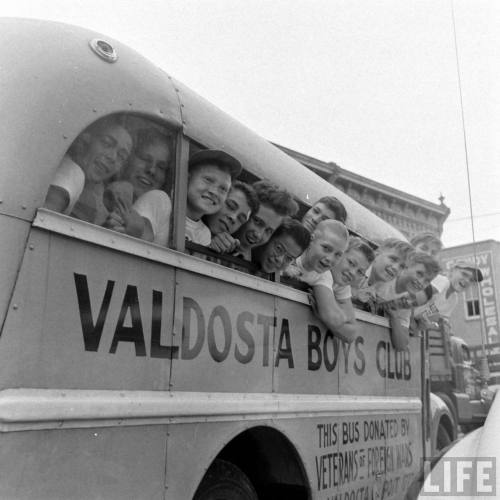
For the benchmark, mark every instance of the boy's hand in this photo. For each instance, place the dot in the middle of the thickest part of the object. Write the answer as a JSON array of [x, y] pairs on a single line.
[[115, 222], [134, 223], [119, 193], [224, 243], [313, 303], [366, 295]]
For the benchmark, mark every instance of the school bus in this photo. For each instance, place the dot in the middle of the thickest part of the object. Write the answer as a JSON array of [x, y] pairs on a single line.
[[133, 370]]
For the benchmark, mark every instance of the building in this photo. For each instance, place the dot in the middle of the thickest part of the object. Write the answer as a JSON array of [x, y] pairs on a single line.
[[407, 213], [476, 315]]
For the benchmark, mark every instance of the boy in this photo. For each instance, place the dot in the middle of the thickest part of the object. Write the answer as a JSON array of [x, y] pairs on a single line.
[[286, 244], [389, 260], [325, 208], [137, 203], [445, 293], [331, 301], [97, 154], [209, 181], [275, 205], [398, 296], [428, 243], [241, 202]]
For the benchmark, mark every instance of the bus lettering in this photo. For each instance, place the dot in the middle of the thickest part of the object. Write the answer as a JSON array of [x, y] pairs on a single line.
[[393, 364]]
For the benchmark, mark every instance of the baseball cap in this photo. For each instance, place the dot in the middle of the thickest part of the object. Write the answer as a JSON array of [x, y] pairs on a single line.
[[477, 274], [218, 157]]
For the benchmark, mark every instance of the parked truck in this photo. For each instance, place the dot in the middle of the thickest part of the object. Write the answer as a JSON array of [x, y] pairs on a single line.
[[456, 381]]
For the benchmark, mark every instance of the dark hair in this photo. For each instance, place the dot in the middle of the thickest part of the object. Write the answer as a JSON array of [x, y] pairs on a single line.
[[335, 206], [250, 195], [80, 144], [292, 227], [430, 263], [426, 237], [148, 136], [222, 159], [356, 243], [280, 200]]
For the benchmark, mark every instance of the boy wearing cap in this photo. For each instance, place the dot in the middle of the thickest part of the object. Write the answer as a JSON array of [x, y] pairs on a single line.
[[209, 181], [428, 243], [446, 290]]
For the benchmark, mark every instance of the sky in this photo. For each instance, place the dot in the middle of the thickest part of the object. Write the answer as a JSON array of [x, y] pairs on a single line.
[[371, 85]]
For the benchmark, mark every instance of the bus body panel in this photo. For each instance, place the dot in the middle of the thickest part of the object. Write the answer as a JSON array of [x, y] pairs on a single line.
[[79, 464], [90, 313], [366, 453], [12, 244], [228, 331]]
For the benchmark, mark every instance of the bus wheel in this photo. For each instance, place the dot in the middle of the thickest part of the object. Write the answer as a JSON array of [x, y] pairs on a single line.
[[443, 438], [224, 481]]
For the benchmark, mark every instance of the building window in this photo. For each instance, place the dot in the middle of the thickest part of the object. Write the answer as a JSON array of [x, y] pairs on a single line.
[[472, 308]]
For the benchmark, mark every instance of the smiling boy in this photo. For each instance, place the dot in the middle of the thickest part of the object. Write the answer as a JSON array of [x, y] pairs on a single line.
[[398, 296], [325, 208], [137, 203], [286, 244], [390, 258], [209, 181], [97, 154], [445, 292], [331, 300], [241, 202], [275, 205]]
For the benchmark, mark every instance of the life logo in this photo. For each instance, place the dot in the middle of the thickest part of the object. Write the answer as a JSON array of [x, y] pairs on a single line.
[[461, 476]]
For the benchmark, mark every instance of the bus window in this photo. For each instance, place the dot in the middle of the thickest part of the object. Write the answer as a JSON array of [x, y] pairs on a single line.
[[118, 173]]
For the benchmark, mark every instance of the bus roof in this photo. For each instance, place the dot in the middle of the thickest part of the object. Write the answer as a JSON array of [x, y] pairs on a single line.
[[54, 85]]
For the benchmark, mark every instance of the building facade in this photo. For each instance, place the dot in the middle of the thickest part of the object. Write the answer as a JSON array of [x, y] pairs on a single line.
[[476, 316], [407, 213]]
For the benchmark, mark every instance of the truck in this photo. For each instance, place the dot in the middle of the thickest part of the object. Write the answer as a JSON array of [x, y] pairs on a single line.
[[456, 381], [134, 370]]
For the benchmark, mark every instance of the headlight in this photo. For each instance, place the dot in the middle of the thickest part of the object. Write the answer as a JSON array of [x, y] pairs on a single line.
[[486, 394]]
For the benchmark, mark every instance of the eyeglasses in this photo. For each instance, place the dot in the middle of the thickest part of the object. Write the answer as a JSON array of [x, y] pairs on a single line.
[[281, 251]]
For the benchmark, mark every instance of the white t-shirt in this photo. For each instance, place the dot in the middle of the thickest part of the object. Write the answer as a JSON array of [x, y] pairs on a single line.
[[198, 232], [387, 292], [155, 205], [70, 177], [313, 278], [439, 304]]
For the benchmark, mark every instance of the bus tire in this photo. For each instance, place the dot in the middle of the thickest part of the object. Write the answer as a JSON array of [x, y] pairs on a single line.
[[225, 481], [443, 439]]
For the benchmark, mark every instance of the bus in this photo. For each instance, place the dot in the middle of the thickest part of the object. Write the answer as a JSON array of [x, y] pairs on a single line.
[[132, 370]]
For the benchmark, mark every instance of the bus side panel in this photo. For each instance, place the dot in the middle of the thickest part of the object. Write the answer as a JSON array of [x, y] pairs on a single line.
[[307, 363], [366, 455], [22, 331], [14, 234], [79, 464], [402, 369], [92, 318], [403, 454], [359, 367], [190, 451], [227, 336]]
